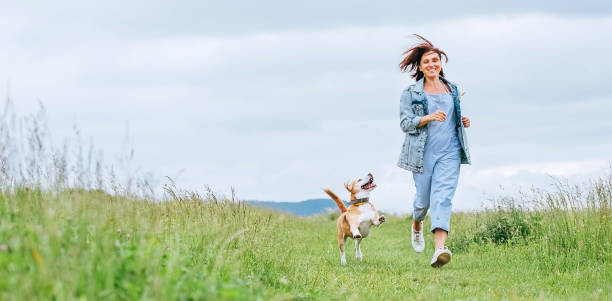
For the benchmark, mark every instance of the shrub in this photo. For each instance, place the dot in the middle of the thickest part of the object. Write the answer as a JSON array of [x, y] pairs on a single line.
[[333, 216], [507, 225]]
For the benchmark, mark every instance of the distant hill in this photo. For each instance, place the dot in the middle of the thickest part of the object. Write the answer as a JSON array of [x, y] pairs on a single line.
[[303, 208]]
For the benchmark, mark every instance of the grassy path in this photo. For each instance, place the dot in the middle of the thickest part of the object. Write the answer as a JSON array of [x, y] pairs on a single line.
[[392, 270]]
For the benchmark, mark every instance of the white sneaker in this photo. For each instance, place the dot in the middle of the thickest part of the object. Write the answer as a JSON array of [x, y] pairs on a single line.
[[418, 242], [441, 257]]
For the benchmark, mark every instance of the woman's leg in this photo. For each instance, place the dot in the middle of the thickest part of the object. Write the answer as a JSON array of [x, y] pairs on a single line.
[[440, 237], [416, 225], [422, 182], [443, 185]]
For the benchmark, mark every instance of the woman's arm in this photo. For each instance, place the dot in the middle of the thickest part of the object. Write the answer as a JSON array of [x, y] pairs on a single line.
[[408, 120]]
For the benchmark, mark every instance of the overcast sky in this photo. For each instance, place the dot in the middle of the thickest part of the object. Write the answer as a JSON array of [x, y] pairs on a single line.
[[279, 99]]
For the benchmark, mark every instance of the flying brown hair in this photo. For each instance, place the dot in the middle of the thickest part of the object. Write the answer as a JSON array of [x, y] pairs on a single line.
[[411, 62]]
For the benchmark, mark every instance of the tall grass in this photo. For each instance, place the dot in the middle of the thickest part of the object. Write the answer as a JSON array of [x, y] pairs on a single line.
[[91, 244], [30, 156], [577, 230], [566, 228]]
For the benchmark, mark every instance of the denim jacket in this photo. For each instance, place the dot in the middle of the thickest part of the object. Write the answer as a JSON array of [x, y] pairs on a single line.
[[413, 106]]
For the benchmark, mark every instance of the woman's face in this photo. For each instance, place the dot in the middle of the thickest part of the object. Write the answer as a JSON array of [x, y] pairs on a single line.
[[431, 64]]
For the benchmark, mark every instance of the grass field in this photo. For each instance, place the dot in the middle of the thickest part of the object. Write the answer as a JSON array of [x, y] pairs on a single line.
[[90, 245]]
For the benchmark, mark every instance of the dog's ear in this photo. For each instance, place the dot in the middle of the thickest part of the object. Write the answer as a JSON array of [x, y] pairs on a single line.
[[349, 188]]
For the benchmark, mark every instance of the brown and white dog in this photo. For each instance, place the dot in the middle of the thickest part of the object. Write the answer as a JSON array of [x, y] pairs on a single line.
[[356, 221]]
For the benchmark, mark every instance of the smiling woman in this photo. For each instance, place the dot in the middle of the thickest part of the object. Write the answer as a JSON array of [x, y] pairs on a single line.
[[435, 144]]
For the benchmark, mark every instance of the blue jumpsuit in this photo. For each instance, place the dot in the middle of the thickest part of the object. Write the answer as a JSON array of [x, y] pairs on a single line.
[[436, 185]]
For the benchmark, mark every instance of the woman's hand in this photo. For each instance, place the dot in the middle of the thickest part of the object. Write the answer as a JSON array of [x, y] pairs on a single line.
[[435, 116], [465, 121]]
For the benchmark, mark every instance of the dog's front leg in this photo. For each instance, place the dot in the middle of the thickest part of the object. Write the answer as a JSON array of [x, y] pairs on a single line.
[[377, 220], [354, 226], [358, 254]]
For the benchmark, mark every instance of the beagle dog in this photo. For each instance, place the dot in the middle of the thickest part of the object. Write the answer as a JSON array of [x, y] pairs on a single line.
[[356, 220]]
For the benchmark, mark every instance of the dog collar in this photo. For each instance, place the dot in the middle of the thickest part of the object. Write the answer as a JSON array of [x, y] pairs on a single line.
[[359, 202]]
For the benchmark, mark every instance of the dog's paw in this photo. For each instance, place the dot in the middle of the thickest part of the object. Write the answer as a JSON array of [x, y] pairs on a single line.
[[382, 219], [342, 261]]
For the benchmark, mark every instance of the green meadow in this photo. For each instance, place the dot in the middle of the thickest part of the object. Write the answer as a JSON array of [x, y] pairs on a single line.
[[88, 244]]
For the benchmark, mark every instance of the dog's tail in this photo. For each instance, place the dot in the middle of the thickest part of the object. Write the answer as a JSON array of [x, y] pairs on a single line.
[[336, 199]]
